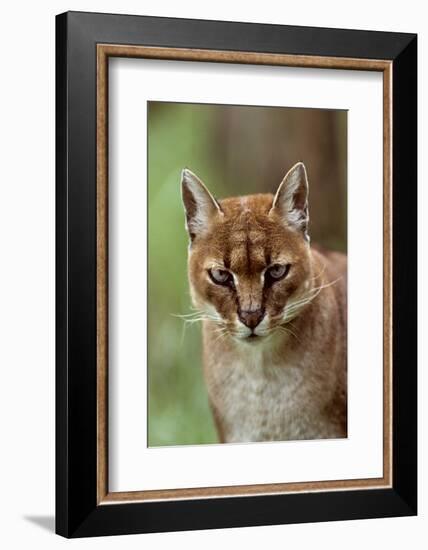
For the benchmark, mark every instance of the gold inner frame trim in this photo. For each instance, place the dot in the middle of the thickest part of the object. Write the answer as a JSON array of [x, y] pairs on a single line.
[[104, 51]]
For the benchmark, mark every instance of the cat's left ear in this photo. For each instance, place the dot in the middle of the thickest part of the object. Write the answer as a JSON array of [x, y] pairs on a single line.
[[200, 206], [291, 199]]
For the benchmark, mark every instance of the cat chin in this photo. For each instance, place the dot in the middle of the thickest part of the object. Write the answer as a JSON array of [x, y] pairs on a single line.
[[250, 340], [253, 338]]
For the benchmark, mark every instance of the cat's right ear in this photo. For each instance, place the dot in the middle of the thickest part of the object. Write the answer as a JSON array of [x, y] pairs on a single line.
[[291, 199], [200, 206]]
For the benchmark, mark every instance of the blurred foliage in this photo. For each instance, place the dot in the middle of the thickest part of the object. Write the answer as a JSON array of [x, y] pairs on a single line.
[[235, 150]]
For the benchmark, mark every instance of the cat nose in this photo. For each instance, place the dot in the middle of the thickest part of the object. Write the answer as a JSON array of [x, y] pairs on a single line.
[[251, 318]]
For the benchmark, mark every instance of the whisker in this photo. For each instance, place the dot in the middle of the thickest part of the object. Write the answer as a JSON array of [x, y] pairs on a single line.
[[320, 273], [331, 283], [292, 310], [221, 331], [313, 293], [287, 331], [301, 301], [183, 334], [196, 317], [187, 315]]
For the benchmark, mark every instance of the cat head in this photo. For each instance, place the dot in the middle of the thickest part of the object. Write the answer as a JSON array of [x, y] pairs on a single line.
[[249, 260]]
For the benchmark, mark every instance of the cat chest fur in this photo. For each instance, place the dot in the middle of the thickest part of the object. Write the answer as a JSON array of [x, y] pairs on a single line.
[[263, 401]]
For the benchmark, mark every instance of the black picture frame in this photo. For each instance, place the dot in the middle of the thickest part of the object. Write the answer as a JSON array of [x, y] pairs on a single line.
[[77, 511]]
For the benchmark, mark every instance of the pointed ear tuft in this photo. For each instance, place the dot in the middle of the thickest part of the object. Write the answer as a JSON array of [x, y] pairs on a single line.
[[291, 199], [200, 206]]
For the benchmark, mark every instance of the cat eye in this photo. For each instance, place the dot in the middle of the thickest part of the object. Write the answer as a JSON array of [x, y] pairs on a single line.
[[220, 276], [276, 272]]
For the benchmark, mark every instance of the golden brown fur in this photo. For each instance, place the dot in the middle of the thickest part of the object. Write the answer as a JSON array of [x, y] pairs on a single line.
[[274, 314]]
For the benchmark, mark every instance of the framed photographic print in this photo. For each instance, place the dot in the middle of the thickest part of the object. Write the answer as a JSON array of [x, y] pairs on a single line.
[[236, 274]]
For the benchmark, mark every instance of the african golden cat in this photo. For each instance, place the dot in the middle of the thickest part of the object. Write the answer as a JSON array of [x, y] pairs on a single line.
[[274, 313]]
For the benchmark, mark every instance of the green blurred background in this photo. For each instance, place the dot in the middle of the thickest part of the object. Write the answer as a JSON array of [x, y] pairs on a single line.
[[235, 150]]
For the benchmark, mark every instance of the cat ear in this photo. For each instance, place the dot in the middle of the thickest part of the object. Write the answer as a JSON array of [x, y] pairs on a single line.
[[198, 202], [291, 199]]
